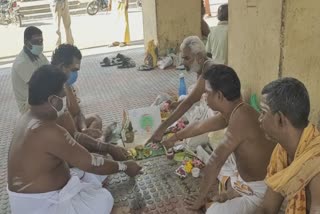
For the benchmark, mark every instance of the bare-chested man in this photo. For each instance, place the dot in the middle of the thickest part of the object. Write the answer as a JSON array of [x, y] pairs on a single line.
[[39, 179], [84, 129], [293, 172], [194, 59], [68, 58], [243, 138]]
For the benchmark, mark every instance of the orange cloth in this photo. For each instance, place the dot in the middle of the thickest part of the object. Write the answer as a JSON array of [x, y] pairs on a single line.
[[290, 181]]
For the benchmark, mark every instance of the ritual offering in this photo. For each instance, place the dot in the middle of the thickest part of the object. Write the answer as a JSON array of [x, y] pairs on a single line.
[[179, 125], [170, 154], [181, 172], [190, 165], [195, 172], [147, 152], [127, 133]]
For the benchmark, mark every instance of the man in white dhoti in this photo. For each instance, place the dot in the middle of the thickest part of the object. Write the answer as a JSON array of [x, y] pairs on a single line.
[[39, 178], [244, 139]]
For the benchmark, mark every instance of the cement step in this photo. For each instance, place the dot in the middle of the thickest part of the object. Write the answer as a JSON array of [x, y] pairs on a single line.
[[35, 10], [40, 9], [45, 8], [37, 16]]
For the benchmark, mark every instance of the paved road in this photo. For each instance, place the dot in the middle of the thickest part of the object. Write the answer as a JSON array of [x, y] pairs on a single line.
[[88, 31]]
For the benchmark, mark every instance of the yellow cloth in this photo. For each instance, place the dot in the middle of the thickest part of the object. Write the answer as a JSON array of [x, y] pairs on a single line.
[[123, 16], [290, 181]]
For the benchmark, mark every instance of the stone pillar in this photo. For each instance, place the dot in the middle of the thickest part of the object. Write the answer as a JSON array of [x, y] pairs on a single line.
[[272, 39], [168, 22]]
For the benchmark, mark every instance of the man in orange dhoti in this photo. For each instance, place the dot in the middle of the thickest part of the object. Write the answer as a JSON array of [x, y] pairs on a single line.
[[294, 172]]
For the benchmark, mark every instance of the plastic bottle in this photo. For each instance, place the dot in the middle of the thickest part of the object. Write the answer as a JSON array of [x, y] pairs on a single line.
[[182, 85]]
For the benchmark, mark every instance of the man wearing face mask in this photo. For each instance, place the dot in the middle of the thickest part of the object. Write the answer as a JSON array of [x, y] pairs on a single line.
[[68, 58], [195, 60], [39, 179], [84, 129], [28, 60]]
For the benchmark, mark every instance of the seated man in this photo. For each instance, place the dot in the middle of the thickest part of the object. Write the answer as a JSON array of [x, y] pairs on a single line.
[[68, 58], [243, 138], [293, 172], [28, 60], [39, 179], [194, 59]]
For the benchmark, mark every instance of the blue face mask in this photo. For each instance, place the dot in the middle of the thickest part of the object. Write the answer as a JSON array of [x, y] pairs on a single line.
[[72, 77], [36, 49]]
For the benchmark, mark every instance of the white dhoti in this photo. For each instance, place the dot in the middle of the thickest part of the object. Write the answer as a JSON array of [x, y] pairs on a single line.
[[76, 197], [252, 194], [88, 177]]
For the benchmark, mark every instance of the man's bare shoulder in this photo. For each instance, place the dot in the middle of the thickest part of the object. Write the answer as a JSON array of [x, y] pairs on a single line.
[[45, 130], [244, 115], [244, 122]]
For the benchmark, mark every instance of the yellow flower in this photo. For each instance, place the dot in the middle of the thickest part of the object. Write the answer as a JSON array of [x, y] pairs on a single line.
[[188, 167]]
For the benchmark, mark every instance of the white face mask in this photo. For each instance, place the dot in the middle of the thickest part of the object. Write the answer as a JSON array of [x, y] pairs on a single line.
[[63, 108]]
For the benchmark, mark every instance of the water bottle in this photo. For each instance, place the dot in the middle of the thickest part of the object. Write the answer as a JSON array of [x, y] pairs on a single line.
[[182, 85]]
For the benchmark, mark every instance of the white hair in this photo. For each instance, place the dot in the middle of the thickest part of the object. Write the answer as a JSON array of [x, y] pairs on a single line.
[[194, 44]]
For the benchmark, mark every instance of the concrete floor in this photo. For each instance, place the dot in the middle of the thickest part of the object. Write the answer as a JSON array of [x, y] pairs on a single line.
[[106, 91]]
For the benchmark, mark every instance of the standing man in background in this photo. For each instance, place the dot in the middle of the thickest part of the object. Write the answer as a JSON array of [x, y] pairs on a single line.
[[217, 43], [60, 10]]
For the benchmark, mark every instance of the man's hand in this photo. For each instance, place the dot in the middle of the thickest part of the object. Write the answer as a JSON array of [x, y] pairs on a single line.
[[174, 105], [133, 168], [169, 143], [157, 136], [194, 202], [118, 153]]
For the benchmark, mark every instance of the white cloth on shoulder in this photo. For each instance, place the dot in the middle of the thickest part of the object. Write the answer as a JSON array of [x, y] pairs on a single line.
[[76, 197], [252, 193]]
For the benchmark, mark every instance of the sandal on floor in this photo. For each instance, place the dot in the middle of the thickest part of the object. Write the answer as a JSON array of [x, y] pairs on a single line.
[[106, 62], [127, 64], [113, 44], [145, 68], [122, 44]]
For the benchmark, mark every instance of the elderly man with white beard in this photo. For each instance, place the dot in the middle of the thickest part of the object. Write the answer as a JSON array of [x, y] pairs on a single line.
[[195, 60]]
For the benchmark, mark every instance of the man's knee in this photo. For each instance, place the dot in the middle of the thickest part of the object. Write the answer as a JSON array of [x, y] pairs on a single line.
[[97, 118], [94, 119]]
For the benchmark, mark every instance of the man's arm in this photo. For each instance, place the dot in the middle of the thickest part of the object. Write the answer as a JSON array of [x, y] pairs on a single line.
[[213, 167], [314, 187], [74, 109], [214, 123], [271, 203], [63, 146], [186, 104]]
